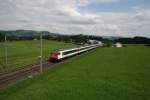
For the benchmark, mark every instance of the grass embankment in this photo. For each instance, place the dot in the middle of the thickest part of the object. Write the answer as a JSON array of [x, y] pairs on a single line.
[[103, 74]]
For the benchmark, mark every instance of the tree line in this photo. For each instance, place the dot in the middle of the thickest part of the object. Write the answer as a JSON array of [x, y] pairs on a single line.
[[134, 40], [30, 35]]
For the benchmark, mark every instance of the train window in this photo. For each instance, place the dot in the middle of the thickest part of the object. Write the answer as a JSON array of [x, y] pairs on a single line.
[[55, 53], [86, 48], [72, 51]]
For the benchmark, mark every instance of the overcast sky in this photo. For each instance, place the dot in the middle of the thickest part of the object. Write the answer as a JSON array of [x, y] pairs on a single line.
[[94, 17]]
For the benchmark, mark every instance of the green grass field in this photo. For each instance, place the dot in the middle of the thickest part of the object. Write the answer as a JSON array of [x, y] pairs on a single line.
[[102, 74], [25, 52]]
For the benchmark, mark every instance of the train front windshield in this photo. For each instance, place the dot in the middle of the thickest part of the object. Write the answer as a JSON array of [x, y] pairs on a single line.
[[55, 53]]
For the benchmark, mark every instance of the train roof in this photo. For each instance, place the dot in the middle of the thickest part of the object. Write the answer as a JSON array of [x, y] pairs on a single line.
[[60, 49], [66, 49]]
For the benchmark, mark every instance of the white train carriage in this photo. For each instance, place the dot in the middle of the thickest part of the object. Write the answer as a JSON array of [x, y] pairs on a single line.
[[64, 53]]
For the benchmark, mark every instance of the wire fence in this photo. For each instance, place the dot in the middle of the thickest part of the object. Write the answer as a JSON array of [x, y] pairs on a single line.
[[19, 53]]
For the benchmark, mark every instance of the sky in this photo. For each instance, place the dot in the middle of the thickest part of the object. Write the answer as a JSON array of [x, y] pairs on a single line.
[[126, 18]]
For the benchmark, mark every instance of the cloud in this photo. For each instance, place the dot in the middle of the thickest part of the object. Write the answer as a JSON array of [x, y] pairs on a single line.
[[65, 17], [87, 2]]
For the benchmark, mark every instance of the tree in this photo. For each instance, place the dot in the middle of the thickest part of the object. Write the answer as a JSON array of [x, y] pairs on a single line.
[[135, 40], [2, 37], [79, 38]]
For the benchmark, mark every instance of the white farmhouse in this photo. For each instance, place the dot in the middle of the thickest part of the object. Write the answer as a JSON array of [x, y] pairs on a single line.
[[118, 45]]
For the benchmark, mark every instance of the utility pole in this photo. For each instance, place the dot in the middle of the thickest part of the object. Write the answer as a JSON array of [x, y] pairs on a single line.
[[71, 40], [6, 54], [41, 53]]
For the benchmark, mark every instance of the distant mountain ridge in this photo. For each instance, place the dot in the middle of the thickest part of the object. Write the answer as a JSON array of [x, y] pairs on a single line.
[[25, 33], [32, 33], [111, 37]]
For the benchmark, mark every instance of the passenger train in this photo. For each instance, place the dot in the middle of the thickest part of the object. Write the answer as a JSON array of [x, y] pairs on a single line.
[[57, 55]]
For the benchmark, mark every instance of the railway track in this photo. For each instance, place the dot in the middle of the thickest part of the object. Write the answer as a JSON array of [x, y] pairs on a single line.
[[9, 77], [12, 76], [5, 71]]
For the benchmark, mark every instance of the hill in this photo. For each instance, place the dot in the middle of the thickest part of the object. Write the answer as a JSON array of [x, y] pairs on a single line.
[[25, 33]]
